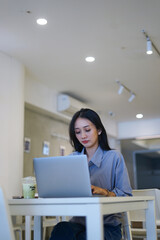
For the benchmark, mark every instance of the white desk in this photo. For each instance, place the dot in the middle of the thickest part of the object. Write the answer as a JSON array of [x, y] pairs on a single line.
[[92, 207]]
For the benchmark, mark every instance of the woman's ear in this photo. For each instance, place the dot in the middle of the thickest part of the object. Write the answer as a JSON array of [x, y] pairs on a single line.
[[99, 132]]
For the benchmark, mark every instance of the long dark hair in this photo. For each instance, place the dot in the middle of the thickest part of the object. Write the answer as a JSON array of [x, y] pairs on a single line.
[[95, 119]]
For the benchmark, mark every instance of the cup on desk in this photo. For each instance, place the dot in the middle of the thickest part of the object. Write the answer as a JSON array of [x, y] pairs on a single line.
[[29, 187]]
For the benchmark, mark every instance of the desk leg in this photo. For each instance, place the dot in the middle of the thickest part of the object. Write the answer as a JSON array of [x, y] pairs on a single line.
[[151, 221], [28, 227], [94, 220], [38, 228]]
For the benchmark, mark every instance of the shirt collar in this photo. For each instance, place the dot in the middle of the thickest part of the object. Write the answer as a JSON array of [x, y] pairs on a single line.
[[97, 157]]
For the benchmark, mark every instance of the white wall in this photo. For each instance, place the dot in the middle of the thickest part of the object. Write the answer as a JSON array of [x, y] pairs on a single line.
[[139, 128], [11, 124], [42, 97], [110, 125], [112, 131]]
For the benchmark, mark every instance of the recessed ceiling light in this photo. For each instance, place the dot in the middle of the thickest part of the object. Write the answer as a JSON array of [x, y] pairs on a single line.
[[90, 59], [41, 21], [139, 115]]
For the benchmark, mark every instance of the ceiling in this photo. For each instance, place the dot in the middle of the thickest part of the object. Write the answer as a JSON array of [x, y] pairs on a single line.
[[109, 30]]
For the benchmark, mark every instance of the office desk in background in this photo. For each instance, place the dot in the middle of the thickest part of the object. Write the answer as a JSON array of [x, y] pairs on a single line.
[[92, 207]]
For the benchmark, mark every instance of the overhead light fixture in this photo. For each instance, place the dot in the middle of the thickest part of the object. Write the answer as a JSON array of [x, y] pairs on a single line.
[[90, 59], [139, 115], [150, 44], [130, 99], [41, 21], [122, 87], [149, 47]]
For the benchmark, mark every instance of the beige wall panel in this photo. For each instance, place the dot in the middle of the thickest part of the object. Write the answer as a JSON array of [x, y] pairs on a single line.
[[39, 128]]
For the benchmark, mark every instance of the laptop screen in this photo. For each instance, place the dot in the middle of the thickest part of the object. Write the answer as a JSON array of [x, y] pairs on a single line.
[[62, 176]]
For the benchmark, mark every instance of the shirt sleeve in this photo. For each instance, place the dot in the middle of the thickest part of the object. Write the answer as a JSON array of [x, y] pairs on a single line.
[[121, 178]]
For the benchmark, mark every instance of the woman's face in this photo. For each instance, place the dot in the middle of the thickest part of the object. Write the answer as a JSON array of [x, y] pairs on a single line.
[[86, 133]]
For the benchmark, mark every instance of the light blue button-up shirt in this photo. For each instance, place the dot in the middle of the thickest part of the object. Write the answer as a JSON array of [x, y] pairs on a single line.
[[108, 170]]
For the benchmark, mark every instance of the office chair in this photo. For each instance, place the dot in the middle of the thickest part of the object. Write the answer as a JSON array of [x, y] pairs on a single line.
[[46, 222], [138, 217], [6, 228], [126, 227]]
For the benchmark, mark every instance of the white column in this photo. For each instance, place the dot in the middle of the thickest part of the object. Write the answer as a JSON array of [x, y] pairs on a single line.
[[11, 124]]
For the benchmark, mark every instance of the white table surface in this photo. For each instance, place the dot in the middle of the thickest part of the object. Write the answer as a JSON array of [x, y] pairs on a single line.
[[92, 207]]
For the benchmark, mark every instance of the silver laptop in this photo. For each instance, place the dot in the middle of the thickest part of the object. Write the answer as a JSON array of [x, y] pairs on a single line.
[[62, 176]]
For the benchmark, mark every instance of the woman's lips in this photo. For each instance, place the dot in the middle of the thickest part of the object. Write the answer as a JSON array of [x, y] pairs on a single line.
[[84, 142]]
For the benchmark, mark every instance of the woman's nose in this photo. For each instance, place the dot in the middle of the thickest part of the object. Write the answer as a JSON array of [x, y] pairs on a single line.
[[83, 135]]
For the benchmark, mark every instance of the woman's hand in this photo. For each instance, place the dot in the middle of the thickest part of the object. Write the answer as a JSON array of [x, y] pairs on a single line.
[[102, 191]]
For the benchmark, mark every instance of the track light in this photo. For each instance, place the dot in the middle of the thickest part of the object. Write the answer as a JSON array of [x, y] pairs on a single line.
[[149, 46], [130, 99], [120, 89]]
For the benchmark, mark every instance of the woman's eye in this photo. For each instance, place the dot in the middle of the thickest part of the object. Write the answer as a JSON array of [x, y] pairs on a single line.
[[77, 132], [88, 130]]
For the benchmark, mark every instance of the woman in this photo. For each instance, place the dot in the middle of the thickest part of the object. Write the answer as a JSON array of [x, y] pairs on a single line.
[[108, 174]]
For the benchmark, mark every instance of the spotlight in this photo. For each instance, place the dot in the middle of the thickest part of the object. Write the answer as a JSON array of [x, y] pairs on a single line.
[[123, 87], [139, 115], [149, 46], [41, 21], [120, 89], [90, 59], [131, 97]]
